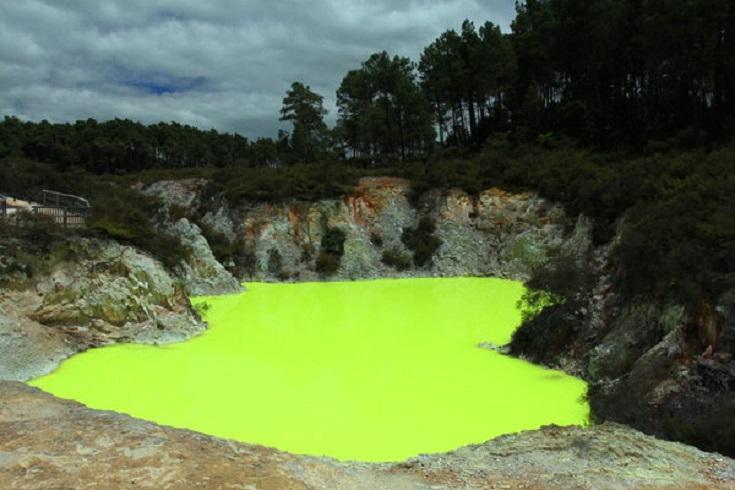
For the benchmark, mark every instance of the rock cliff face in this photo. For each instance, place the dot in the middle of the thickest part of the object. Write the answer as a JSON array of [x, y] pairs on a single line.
[[493, 234], [651, 363], [76, 294], [201, 273], [660, 368]]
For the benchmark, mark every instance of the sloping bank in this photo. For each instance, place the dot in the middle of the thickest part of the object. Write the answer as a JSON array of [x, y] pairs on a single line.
[[62, 296], [50, 443]]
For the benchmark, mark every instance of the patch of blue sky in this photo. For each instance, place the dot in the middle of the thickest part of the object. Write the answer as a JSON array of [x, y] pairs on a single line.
[[161, 83]]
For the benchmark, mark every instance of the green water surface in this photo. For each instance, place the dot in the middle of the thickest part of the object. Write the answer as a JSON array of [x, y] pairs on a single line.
[[370, 371]]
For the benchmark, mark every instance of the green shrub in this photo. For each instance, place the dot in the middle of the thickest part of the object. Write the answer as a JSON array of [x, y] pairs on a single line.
[[422, 241], [396, 259], [307, 252], [327, 264], [552, 307], [111, 228], [176, 212], [303, 182], [275, 262], [202, 308], [330, 252], [333, 242], [699, 417]]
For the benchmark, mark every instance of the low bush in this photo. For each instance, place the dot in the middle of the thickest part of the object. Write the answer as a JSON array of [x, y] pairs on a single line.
[[202, 308], [697, 417], [327, 264], [396, 259], [333, 242], [422, 241], [301, 182], [176, 212], [275, 262], [330, 252], [307, 252], [552, 307]]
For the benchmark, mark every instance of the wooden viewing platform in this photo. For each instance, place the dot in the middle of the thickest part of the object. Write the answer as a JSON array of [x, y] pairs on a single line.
[[66, 210]]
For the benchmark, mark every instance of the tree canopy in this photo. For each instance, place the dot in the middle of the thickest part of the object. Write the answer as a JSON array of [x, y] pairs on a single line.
[[123, 146], [382, 112], [605, 73], [466, 76], [305, 110]]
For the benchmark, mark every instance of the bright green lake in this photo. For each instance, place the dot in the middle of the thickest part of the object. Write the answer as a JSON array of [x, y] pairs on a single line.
[[370, 371]]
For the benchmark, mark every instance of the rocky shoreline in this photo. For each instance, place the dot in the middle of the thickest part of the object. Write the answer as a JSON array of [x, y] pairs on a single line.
[[61, 298], [46, 442]]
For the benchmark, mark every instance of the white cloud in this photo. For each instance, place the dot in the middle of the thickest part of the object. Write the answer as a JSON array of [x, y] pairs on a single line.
[[224, 64]]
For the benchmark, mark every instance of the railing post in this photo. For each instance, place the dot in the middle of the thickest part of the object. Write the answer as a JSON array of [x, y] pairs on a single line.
[[64, 217]]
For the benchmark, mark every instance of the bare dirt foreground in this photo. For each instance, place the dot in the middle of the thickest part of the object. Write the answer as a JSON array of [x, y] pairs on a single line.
[[47, 443]]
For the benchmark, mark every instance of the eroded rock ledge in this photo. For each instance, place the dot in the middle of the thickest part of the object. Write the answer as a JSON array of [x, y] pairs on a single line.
[[493, 233], [63, 298], [46, 442]]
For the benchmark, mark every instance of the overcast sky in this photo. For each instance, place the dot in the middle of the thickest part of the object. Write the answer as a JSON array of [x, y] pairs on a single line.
[[223, 64]]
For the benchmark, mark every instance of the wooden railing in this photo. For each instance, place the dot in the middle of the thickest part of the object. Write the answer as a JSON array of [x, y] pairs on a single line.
[[61, 200], [64, 216], [61, 209]]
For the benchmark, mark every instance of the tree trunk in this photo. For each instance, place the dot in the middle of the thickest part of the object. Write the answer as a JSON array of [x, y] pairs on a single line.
[[473, 116]]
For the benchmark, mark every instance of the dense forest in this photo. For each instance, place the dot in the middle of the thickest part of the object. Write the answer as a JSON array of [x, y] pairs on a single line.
[[607, 73]]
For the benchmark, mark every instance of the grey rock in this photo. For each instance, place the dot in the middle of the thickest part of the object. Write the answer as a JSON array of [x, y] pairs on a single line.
[[219, 221], [201, 272], [93, 293], [53, 443], [492, 234], [183, 193], [29, 349]]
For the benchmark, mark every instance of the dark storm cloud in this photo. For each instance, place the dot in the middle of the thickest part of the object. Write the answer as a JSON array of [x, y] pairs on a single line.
[[224, 64]]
